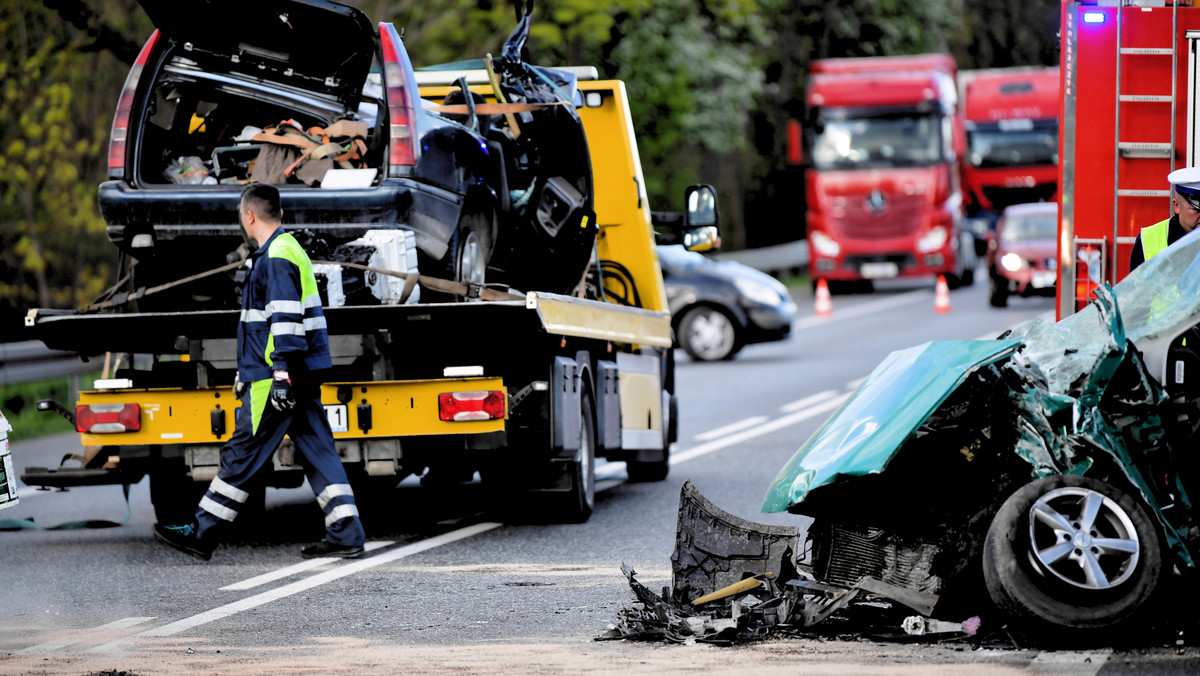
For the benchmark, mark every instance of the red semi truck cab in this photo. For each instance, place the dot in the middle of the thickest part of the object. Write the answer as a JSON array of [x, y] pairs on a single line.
[[883, 139], [1011, 120], [1129, 118]]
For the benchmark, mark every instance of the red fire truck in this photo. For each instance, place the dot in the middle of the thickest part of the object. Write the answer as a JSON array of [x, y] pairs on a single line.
[[1012, 138], [1129, 112], [883, 138]]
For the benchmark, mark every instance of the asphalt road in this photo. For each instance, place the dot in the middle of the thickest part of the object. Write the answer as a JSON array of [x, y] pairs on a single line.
[[446, 575]]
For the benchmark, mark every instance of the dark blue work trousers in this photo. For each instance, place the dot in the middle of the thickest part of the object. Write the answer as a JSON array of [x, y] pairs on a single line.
[[254, 440]]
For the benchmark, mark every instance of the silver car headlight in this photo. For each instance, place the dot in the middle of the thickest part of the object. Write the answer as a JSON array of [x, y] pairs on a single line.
[[756, 291]]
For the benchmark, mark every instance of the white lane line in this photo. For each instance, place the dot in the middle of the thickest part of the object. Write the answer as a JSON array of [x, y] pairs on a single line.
[[806, 402], [776, 424], [731, 428], [317, 580], [865, 308], [298, 568], [60, 644], [1073, 662]]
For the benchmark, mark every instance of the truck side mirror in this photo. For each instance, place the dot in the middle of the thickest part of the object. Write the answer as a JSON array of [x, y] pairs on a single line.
[[701, 219]]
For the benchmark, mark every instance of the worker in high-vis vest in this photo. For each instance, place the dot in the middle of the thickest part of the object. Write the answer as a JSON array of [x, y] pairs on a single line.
[[1185, 198], [283, 352]]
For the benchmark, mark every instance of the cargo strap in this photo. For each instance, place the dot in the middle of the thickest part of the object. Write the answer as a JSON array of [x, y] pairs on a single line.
[[30, 524], [108, 299], [492, 108], [463, 289]]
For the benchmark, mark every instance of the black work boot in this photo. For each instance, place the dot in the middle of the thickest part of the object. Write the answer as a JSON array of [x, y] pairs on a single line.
[[323, 549], [184, 539]]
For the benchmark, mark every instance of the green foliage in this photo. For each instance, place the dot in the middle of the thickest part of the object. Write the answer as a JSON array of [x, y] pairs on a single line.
[[55, 104], [18, 403]]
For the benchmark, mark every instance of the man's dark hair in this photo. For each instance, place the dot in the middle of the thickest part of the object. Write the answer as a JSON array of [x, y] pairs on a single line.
[[262, 199]]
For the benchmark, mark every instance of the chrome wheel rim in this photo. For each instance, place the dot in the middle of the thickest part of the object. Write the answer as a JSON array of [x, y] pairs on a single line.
[[1083, 538], [711, 334], [471, 266]]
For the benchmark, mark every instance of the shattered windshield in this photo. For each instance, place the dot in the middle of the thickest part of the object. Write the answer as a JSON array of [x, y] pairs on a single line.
[[898, 140]]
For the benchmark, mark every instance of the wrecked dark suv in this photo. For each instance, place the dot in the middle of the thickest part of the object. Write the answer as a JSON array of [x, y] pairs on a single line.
[[1042, 480], [310, 96]]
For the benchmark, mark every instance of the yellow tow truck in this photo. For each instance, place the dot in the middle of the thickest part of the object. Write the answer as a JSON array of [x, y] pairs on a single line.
[[528, 392]]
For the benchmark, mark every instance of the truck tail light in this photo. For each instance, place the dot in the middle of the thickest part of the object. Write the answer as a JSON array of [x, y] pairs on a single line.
[[1088, 273], [398, 87], [120, 125], [479, 405], [108, 418]]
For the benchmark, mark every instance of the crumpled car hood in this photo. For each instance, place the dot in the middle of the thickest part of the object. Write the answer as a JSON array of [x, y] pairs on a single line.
[[868, 430]]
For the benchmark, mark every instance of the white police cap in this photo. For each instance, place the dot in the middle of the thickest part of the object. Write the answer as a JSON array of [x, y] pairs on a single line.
[[1186, 181]]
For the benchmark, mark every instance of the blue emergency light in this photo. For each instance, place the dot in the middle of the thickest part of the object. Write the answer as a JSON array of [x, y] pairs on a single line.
[[1093, 17]]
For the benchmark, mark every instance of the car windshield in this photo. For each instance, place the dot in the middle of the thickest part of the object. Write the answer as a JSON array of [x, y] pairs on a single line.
[[897, 140], [675, 254], [1029, 226], [1016, 143]]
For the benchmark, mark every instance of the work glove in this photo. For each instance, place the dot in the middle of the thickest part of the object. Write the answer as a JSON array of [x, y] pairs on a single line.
[[281, 392], [239, 388]]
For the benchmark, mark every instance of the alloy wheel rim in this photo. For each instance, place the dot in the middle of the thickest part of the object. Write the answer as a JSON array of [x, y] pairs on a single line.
[[711, 334], [1083, 538]]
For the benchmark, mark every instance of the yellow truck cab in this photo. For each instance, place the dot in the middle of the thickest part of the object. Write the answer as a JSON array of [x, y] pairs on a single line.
[[528, 391]]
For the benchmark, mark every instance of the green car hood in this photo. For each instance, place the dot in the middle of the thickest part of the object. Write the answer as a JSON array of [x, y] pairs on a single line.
[[865, 433]]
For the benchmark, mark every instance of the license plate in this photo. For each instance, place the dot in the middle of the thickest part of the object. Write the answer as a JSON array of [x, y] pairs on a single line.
[[1043, 279], [339, 418], [877, 270]]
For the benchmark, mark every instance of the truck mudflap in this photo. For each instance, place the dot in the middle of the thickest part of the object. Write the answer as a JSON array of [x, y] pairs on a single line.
[[736, 580]]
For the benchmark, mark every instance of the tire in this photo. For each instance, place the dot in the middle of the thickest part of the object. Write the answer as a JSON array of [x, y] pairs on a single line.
[[997, 292], [174, 494], [467, 255], [708, 334], [1052, 573], [576, 505]]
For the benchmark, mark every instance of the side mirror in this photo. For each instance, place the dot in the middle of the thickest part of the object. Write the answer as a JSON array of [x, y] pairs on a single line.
[[701, 220]]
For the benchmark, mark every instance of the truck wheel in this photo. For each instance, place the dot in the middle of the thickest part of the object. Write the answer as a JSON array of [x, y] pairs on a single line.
[[1069, 554], [575, 506], [708, 334], [174, 494]]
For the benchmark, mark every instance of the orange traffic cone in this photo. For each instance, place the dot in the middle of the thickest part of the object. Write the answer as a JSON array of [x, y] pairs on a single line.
[[941, 297], [824, 304]]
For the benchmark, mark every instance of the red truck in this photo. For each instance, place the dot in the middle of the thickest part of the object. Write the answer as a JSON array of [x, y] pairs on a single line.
[[1011, 121], [883, 138], [1128, 111]]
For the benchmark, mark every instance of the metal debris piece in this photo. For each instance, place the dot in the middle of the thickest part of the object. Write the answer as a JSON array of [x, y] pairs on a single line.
[[915, 625], [735, 588]]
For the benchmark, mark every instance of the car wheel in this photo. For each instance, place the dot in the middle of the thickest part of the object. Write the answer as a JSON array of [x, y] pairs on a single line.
[[708, 334], [467, 255], [1067, 554], [997, 291]]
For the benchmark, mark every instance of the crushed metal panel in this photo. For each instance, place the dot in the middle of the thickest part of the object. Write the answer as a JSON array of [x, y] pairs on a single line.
[[714, 549]]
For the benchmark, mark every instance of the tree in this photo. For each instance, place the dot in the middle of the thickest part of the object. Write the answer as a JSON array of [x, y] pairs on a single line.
[[53, 251]]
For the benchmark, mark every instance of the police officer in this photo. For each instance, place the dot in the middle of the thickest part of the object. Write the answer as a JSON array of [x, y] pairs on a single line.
[[1185, 197], [283, 349]]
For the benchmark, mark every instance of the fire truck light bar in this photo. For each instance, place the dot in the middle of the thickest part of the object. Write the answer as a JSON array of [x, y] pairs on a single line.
[[1093, 17]]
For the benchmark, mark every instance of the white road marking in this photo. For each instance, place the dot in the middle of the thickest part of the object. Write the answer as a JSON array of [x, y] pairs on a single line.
[[865, 308], [1073, 662], [731, 428], [776, 424], [298, 568], [806, 402], [317, 580], [60, 644]]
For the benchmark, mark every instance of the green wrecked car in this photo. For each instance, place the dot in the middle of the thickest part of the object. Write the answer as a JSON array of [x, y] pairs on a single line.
[[1045, 474]]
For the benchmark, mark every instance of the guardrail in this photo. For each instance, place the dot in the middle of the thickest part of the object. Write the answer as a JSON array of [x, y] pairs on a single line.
[[30, 360], [777, 261]]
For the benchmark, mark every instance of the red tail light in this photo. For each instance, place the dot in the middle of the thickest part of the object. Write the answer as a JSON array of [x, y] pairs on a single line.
[[108, 418], [480, 405], [1088, 272], [120, 125], [398, 83]]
